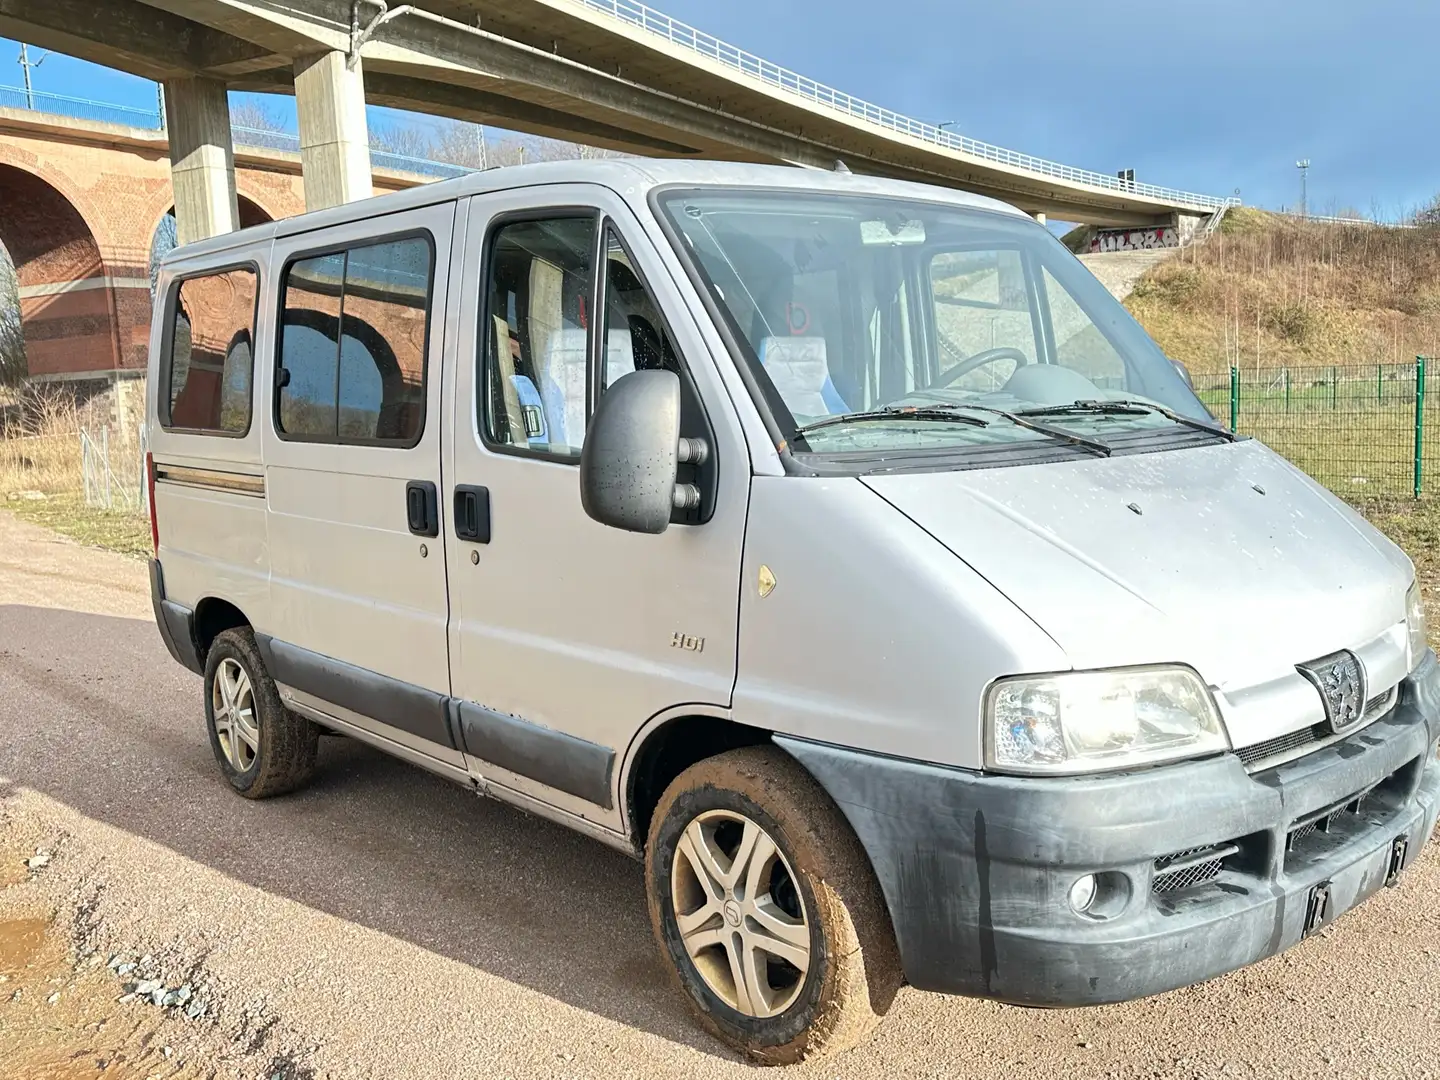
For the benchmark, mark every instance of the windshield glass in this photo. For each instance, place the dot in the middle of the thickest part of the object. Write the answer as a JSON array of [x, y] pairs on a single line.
[[858, 307]]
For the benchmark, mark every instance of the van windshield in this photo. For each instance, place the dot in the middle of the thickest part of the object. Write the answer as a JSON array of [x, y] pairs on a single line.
[[886, 324]]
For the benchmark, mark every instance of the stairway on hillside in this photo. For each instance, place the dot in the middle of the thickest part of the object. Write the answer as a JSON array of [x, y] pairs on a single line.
[[1118, 271]]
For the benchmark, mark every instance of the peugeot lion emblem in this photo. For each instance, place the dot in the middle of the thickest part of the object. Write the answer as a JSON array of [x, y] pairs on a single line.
[[1340, 678]]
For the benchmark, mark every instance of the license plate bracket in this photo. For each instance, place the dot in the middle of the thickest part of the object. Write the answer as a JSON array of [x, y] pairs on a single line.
[[1317, 908], [1399, 849]]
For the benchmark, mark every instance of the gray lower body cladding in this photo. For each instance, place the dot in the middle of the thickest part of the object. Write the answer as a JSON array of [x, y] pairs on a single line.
[[976, 869]]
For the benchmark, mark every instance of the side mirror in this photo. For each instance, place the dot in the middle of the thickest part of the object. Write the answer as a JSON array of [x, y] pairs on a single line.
[[631, 454], [1184, 373]]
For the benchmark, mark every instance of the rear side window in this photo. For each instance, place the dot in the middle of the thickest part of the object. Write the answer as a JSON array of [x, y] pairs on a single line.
[[211, 354], [353, 338]]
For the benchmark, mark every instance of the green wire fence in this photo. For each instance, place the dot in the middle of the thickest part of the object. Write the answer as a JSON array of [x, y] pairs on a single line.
[[1362, 430]]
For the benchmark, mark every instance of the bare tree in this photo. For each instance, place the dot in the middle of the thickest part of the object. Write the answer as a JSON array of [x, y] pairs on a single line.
[[12, 339], [1429, 214], [255, 117], [404, 140]]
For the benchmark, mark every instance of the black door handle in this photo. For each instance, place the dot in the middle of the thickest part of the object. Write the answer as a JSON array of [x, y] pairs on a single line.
[[472, 513], [422, 508]]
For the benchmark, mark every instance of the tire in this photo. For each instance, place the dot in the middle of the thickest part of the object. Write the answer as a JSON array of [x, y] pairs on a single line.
[[275, 752], [852, 972]]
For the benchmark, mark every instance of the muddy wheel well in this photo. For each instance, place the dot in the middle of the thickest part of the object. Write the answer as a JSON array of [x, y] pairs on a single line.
[[212, 616], [671, 749]]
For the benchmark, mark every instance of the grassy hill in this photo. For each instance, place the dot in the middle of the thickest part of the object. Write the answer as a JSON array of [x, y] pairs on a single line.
[[1268, 292]]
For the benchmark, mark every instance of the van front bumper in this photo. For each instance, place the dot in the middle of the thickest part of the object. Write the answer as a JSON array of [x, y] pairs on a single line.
[[976, 869]]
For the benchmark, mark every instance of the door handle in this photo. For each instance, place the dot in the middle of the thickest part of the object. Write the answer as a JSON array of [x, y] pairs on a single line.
[[422, 509], [472, 513]]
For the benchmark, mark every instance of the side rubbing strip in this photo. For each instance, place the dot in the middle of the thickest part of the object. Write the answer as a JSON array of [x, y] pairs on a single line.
[[553, 758], [211, 479], [400, 704]]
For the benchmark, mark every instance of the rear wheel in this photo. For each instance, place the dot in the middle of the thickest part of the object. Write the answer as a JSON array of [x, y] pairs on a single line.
[[263, 748], [766, 909]]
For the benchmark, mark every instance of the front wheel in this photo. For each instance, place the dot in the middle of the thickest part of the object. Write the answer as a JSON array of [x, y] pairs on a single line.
[[766, 909]]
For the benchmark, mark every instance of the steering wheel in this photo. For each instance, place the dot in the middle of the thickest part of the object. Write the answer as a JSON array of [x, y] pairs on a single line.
[[980, 359]]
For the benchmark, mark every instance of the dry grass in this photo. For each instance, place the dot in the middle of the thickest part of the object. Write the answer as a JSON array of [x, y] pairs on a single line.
[[41, 470], [41, 447], [1269, 292], [114, 530]]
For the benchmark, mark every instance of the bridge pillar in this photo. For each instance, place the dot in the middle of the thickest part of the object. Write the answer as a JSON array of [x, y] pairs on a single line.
[[202, 158], [334, 139]]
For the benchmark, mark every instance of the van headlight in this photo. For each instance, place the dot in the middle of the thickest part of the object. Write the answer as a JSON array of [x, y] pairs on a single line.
[[1096, 721], [1415, 624]]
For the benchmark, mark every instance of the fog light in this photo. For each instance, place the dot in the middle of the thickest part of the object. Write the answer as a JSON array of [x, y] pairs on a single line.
[[1082, 893]]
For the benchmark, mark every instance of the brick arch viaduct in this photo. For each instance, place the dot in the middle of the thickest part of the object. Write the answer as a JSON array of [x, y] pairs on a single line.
[[80, 204]]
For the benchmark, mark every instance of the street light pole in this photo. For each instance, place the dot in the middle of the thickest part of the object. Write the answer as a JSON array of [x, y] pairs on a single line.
[[25, 65], [1304, 166]]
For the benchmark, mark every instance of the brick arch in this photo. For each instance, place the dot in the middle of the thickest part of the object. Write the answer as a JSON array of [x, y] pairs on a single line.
[[49, 240], [260, 209], [67, 312]]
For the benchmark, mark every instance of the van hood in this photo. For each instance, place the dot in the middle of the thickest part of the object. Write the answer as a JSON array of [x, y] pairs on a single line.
[[1223, 557]]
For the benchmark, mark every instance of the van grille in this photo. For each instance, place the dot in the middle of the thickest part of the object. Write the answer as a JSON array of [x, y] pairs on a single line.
[[1191, 867], [1325, 822], [1281, 744], [1309, 738]]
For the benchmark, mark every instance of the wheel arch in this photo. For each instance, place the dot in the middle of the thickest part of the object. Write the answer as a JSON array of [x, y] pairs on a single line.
[[213, 616], [669, 744]]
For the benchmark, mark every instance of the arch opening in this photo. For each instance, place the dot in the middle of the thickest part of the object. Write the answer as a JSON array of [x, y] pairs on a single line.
[[164, 240], [66, 324]]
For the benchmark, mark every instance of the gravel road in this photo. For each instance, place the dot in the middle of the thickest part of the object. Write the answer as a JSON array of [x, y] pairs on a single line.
[[384, 923]]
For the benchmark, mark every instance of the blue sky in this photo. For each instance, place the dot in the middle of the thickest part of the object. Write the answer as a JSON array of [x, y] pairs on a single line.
[[1208, 95]]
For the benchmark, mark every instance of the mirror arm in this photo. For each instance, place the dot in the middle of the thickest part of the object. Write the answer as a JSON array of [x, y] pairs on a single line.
[[693, 452], [686, 497]]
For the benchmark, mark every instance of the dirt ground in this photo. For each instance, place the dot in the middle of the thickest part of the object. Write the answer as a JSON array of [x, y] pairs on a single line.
[[386, 924]]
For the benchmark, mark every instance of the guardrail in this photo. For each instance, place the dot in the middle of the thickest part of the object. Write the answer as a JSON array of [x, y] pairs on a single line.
[[1324, 219], [682, 34], [14, 97]]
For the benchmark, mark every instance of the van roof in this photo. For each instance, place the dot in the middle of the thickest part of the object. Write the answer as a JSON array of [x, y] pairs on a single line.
[[617, 173]]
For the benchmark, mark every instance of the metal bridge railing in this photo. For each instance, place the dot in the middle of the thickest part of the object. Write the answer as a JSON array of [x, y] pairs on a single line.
[[267, 139], [14, 97], [685, 36]]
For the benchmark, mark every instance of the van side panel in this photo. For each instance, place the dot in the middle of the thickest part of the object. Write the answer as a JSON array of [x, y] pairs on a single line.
[[209, 489], [355, 592]]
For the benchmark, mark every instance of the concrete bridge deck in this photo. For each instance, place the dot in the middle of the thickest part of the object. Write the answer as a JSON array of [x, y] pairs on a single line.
[[611, 73]]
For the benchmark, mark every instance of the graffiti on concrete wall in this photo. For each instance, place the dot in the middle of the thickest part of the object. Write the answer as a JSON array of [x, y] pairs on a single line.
[[1163, 236]]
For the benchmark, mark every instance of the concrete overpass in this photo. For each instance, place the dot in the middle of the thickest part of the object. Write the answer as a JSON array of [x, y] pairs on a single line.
[[611, 73]]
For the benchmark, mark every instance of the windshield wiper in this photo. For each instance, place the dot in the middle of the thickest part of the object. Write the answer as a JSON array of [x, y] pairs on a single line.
[[1019, 419], [1130, 406], [894, 412], [946, 410]]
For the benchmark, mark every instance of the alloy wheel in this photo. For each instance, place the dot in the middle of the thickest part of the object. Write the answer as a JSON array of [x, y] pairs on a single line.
[[741, 918], [233, 705]]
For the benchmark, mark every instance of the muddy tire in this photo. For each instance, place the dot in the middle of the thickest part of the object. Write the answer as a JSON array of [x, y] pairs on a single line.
[[263, 748], [785, 953]]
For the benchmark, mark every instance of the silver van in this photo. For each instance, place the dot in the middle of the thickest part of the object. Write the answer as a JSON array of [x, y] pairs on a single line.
[[836, 546]]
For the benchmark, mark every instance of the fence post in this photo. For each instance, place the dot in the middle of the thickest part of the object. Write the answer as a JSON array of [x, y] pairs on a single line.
[[1379, 384], [1334, 388], [1419, 422], [1234, 399], [105, 460], [1287, 389]]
